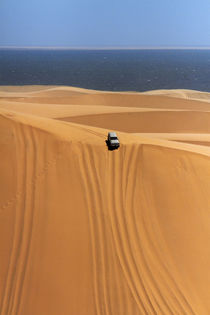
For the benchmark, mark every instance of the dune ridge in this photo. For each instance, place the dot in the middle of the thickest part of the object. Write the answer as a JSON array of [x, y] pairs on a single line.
[[85, 230]]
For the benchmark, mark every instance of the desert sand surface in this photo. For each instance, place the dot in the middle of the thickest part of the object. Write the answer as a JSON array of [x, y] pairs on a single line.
[[88, 231]]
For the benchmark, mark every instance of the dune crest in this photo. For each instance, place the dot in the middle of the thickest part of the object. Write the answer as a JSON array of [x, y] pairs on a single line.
[[85, 230]]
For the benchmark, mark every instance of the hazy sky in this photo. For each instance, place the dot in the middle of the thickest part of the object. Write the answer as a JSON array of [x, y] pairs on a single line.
[[99, 23]]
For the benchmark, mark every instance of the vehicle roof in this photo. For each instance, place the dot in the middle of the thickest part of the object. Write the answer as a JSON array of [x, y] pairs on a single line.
[[112, 134]]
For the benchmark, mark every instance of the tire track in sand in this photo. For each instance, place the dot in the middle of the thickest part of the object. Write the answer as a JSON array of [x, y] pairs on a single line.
[[167, 279], [128, 177], [19, 215], [125, 217], [29, 220], [136, 253], [101, 217], [130, 220], [149, 261], [127, 302], [115, 210], [93, 232]]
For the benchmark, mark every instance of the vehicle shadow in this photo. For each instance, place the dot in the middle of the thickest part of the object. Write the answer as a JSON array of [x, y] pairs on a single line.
[[108, 146]]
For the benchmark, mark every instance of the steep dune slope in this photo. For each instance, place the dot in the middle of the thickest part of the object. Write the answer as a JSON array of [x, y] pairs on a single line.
[[99, 232], [85, 230]]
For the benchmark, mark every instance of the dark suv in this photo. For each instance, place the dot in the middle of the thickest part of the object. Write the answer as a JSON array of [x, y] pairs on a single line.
[[113, 141]]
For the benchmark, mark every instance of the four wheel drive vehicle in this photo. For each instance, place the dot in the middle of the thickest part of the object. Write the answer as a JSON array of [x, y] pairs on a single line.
[[112, 141]]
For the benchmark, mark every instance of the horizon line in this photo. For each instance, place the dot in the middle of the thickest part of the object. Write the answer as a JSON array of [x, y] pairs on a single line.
[[109, 47]]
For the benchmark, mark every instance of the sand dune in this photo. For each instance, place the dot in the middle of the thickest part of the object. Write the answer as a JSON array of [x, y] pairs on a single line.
[[110, 99], [200, 139], [186, 94], [85, 230], [68, 110], [162, 121]]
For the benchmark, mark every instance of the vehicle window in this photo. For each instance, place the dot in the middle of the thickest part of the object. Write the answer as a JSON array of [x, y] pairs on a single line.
[[114, 138]]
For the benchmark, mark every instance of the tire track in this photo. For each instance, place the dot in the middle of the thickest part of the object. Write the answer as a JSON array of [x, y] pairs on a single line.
[[136, 269], [78, 126], [116, 299], [181, 301], [29, 222], [99, 202], [137, 239], [113, 208], [28, 213], [19, 215], [93, 236], [169, 306], [147, 285], [126, 159], [130, 180]]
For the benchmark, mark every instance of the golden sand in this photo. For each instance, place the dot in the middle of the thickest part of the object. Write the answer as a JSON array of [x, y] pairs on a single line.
[[87, 231]]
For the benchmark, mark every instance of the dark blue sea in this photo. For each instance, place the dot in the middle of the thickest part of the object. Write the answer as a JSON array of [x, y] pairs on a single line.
[[114, 70]]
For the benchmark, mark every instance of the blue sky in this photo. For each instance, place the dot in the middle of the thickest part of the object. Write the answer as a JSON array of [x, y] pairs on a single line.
[[105, 23]]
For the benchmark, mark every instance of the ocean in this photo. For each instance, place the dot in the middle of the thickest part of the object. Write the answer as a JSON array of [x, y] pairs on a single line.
[[113, 70]]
